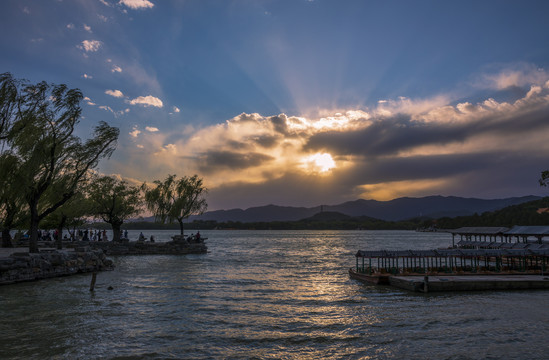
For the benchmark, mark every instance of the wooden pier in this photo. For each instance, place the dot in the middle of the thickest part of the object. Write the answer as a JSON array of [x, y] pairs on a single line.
[[469, 282], [478, 262]]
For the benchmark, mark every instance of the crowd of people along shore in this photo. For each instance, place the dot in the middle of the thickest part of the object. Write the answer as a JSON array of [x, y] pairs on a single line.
[[88, 235], [72, 235]]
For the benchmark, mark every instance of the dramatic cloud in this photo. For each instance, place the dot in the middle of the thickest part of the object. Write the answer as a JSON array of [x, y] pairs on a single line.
[[147, 101], [116, 69], [90, 45], [87, 28], [214, 160], [401, 147], [176, 109], [137, 4], [115, 93], [151, 129], [520, 75]]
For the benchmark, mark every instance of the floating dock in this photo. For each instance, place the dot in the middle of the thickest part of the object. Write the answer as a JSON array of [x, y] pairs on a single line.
[[469, 282], [468, 265]]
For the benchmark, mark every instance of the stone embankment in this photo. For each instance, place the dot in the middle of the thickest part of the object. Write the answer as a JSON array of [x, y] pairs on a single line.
[[178, 246], [18, 265]]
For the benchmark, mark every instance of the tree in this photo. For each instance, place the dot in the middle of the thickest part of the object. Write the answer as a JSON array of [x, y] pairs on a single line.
[[176, 199], [9, 94], [544, 179], [11, 199], [72, 213], [12, 202], [114, 201], [42, 119]]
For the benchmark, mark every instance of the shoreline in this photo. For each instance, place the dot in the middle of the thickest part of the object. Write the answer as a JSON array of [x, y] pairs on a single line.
[[18, 265]]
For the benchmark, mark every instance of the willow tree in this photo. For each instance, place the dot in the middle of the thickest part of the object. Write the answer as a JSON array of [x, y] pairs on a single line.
[[12, 202], [114, 201], [42, 119], [73, 213], [544, 179], [11, 198], [176, 199]]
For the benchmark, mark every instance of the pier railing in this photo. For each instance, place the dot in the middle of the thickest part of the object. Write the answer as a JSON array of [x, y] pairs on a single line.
[[527, 258]]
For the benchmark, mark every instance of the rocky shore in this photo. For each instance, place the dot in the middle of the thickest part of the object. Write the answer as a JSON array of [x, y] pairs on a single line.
[[178, 246], [18, 265]]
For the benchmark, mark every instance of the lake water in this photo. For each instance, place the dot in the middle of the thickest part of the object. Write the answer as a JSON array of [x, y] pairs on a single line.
[[266, 295]]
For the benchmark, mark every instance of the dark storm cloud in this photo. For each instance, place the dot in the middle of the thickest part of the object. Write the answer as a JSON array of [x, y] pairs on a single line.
[[486, 175], [533, 117], [377, 170], [214, 160], [247, 144], [499, 151], [389, 136], [399, 133], [266, 141], [279, 123], [237, 145]]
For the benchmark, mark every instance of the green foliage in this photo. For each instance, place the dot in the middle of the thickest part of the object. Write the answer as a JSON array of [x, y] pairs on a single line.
[[114, 201], [8, 103], [544, 179], [72, 214], [37, 126], [176, 199], [12, 202], [523, 214]]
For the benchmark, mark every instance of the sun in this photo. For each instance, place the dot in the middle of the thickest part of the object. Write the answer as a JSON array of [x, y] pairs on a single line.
[[319, 162]]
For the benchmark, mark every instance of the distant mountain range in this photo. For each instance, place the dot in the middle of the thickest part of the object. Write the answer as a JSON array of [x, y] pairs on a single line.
[[433, 207]]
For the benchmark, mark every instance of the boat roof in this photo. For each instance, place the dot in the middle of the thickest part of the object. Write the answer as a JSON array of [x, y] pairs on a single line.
[[528, 230], [483, 230], [525, 251]]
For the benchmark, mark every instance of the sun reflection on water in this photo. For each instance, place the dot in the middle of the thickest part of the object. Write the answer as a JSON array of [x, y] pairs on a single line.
[[268, 295]]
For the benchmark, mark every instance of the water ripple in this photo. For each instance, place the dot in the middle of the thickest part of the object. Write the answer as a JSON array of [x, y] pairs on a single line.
[[266, 295]]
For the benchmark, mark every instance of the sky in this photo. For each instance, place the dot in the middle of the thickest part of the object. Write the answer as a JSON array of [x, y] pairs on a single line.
[[302, 102]]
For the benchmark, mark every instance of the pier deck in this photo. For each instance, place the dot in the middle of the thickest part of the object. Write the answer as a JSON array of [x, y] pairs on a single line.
[[470, 282]]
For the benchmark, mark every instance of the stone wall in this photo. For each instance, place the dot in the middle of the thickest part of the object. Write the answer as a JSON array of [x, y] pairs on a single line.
[[49, 263]]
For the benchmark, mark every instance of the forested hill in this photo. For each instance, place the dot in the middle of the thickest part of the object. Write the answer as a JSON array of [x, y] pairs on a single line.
[[392, 210], [527, 214]]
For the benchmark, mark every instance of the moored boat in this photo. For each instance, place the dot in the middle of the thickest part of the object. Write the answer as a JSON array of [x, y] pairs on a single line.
[[374, 278]]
